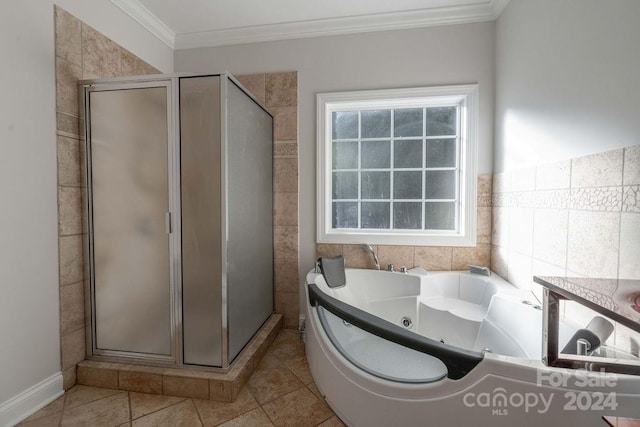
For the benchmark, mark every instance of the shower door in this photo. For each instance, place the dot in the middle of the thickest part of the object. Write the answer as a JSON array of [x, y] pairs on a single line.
[[129, 154]]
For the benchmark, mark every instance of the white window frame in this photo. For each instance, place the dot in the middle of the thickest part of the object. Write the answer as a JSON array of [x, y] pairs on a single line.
[[466, 96]]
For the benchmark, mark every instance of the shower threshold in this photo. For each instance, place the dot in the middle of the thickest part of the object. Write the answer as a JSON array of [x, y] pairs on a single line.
[[184, 381]]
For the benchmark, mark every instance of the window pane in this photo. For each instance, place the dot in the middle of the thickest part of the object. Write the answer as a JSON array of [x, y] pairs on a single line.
[[407, 216], [407, 185], [375, 185], [407, 122], [376, 124], [344, 125], [441, 121], [345, 185], [345, 215], [407, 154], [441, 153], [439, 216], [376, 154], [345, 155], [440, 185], [375, 215]]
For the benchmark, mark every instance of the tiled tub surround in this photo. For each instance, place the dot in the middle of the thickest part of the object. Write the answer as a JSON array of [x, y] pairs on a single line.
[[81, 53], [576, 218], [434, 258], [84, 53]]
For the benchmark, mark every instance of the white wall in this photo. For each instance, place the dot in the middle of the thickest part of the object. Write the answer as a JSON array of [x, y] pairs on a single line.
[[29, 318], [566, 80], [429, 56]]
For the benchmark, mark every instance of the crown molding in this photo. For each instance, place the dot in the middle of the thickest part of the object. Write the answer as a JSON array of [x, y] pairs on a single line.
[[148, 20], [479, 12]]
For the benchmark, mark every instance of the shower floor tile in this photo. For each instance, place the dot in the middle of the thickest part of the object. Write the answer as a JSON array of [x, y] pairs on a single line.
[[280, 392]]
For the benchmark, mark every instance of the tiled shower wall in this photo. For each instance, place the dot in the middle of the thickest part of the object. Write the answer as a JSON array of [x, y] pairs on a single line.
[[81, 53], [84, 53], [279, 93], [432, 258]]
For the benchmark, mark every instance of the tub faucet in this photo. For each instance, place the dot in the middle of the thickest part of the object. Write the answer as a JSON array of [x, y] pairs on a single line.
[[370, 250], [476, 269]]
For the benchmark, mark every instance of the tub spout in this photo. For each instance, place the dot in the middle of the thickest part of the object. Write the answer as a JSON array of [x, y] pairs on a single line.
[[476, 269], [371, 252]]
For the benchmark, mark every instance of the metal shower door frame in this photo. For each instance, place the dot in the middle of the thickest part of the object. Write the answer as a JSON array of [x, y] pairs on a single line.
[[173, 218]]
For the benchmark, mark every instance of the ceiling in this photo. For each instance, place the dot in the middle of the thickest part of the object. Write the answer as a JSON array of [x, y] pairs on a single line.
[[187, 24]]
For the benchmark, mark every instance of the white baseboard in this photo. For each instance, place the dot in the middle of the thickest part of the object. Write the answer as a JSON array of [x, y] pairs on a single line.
[[31, 400]]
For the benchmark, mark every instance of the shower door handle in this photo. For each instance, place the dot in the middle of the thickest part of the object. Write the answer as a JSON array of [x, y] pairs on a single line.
[[167, 219]]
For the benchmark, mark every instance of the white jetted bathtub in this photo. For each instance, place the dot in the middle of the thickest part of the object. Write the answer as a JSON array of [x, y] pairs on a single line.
[[459, 349]]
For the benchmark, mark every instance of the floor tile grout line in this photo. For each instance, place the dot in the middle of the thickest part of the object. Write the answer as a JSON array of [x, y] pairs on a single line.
[[161, 409]]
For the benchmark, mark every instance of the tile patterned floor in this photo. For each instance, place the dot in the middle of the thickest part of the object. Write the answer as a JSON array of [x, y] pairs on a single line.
[[280, 392]]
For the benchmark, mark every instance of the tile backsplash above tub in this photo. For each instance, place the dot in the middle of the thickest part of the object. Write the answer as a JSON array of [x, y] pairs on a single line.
[[577, 217]]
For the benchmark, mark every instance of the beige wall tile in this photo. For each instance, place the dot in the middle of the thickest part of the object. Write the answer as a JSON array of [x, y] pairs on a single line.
[[69, 210], [285, 207], [285, 175], [134, 66], [523, 180], [593, 243], [500, 261], [553, 176], [141, 382], [597, 170], [355, 256], [68, 123], [328, 250], [185, 387], [551, 228], [281, 89], [479, 255], [73, 348], [98, 377], [433, 258], [287, 304], [399, 256], [502, 182], [500, 226], [254, 83], [68, 36], [484, 225], [520, 270], [286, 275], [71, 262], [285, 148], [541, 268], [285, 123], [100, 54], [485, 183], [69, 378], [68, 161], [285, 240], [521, 230], [630, 246], [72, 307], [631, 165], [67, 76]]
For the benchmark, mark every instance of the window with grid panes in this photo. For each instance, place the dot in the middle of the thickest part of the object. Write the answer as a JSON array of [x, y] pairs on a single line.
[[395, 167]]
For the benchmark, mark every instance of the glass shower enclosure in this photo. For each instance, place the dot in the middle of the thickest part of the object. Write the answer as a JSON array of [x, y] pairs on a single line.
[[180, 218]]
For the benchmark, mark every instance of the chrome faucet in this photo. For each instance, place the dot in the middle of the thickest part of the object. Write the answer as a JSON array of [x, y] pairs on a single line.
[[370, 250]]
